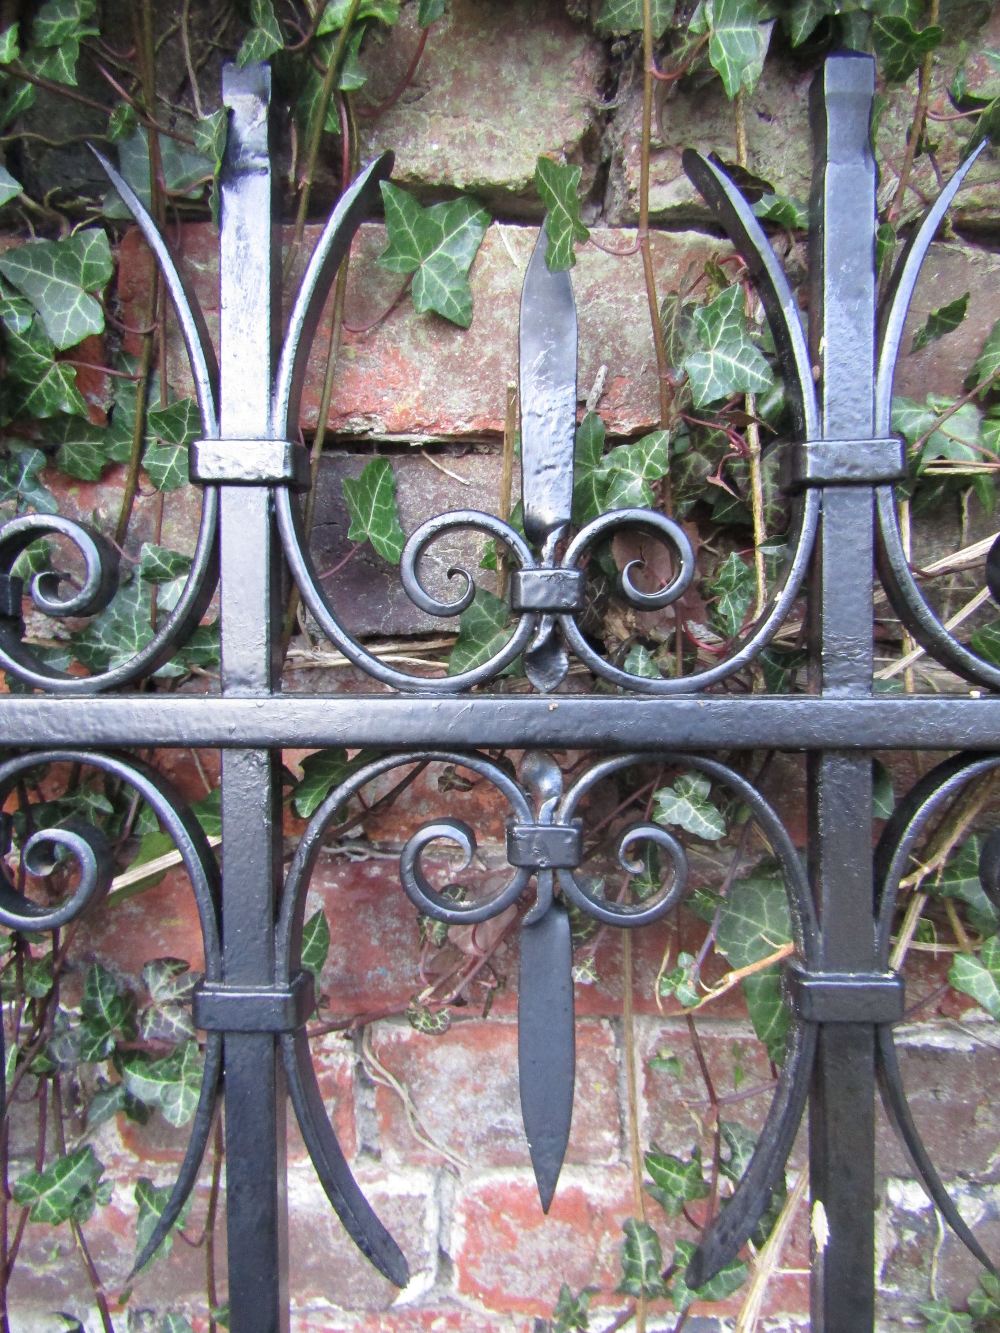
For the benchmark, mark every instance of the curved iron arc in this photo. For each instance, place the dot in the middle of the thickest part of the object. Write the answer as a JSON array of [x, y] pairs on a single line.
[[901, 834], [203, 874], [334, 1173], [904, 593]]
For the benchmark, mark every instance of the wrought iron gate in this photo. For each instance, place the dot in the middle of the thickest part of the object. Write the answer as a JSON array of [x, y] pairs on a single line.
[[840, 470]]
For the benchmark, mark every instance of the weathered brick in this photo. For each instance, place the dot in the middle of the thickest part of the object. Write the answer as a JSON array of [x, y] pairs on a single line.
[[325, 1266], [498, 85], [334, 1063], [779, 144], [464, 1089], [512, 1257], [437, 1318]]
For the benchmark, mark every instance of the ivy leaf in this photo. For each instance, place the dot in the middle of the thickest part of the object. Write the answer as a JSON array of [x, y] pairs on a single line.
[[209, 135], [640, 662], [687, 806], [185, 169], [675, 1182], [336, 12], [166, 466], [802, 18], [57, 20], [10, 43], [754, 922], [483, 630], [81, 447], [315, 943], [68, 1188], [117, 633], [784, 210], [558, 187], [9, 187], [984, 1302], [177, 423], [37, 384], [733, 589], [725, 1282], [680, 983], [56, 277], [169, 980], [105, 1013], [959, 878], [941, 321], [437, 245], [737, 40], [371, 502], [19, 482], [588, 470], [727, 362], [618, 17], [172, 1084], [900, 47], [151, 1201], [630, 469], [264, 38], [979, 977], [430, 11], [987, 364], [642, 1261], [321, 772], [159, 564], [572, 1313], [941, 1318], [883, 796]]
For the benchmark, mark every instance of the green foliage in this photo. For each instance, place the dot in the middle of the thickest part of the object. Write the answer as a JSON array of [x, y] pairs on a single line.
[[901, 47], [170, 1084], [941, 1318], [979, 977], [621, 479], [732, 592], [675, 1182], [37, 385], [754, 922], [264, 38], [437, 245], [738, 39], [315, 943], [483, 630], [642, 1261], [686, 805], [57, 277], [371, 503], [618, 17], [558, 188], [944, 320], [726, 1281], [151, 1201], [725, 361], [572, 1313], [68, 1189]]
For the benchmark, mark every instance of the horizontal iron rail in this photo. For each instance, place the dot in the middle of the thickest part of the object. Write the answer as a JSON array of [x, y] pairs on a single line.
[[289, 721]]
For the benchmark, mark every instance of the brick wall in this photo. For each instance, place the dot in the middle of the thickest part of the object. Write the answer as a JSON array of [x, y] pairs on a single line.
[[431, 1124]]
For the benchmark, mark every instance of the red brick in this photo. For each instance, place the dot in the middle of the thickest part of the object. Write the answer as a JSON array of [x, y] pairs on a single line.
[[409, 1319], [324, 1264], [465, 1092], [511, 1257]]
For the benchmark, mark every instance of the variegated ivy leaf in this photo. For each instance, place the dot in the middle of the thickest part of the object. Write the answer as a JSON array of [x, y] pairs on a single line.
[[754, 922], [959, 878], [430, 11], [979, 976], [639, 661], [725, 1282], [901, 47], [36, 384], [185, 169], [558, 188], [321, 772], [437, 245], [159, 564], [169, 980], [105, 1013], [642, 1261], [57, 277], [81, 447], [171, 1084], [315, 943], [19, 482], [802, 17], [209, 135], [151, 1201], [675, 1181], [939, 1317], [572, 1313], [733, 588], [738, 38], [987, 364], [686, 805], [784, 210], [264, 38], [630, 470], [68, 1188], [944, 320], [56, 20], [483, 630], [336, 12], [371, 502], [10, 43], [588, 475], [621, 16], [117, 633], [9, 187], [726, 362]]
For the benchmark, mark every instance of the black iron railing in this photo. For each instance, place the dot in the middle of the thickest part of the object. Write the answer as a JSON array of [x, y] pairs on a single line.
[[255, 998]]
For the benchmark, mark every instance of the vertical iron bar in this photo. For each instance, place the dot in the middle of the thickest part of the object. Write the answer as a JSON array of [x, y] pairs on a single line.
[[842, 1125], [250, 616]]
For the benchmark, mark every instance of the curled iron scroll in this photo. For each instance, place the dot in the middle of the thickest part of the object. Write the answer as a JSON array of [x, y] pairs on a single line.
[[100, 558], [88, 848]]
